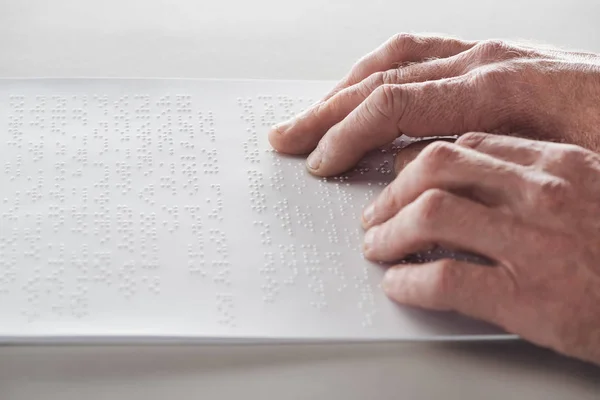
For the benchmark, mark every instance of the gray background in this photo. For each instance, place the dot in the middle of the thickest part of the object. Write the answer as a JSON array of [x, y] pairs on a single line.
[[306, 39]]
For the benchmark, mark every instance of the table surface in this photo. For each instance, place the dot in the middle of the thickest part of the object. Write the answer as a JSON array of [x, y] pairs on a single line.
[[275, 39]]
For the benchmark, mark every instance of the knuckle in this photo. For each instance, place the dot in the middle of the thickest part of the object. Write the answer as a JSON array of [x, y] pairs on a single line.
[[563, 155], [381, 78], [430, 204], [444, 279], [491, 49], [437, 155], [317, 110], [388, 200], [386, 99], [472, 139], [492, 76], [404, 42], [550, 193]]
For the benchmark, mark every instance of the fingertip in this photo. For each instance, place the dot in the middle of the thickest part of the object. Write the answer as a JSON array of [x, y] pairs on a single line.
[[368, 216], [369, 243], [391, 281], [277, 136]]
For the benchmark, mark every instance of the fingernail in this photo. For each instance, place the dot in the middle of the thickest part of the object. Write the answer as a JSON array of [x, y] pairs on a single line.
[[368, 215], [389, 280], [284, 126], [314, 159], [369, 240]]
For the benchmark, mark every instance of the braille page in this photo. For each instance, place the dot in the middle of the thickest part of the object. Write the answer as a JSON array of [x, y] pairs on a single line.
[[157, 209]]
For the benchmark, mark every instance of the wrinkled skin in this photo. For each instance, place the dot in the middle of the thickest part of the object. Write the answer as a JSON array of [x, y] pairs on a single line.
[[530, 206]]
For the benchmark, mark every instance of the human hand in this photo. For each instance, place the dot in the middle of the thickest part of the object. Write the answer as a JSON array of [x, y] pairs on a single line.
[[435, 86], [531, 207]]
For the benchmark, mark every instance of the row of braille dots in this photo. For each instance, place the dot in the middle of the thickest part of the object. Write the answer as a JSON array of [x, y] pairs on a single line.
[[126, 282], [265, 232], [146, 194], [268, 117], [58, 118], [81, 155], [300, 181], [103, 197], [38, 122], [57, 193], [102, 219], [11, 214], [337, 269], [247, 112], [196, 261], [74, 304], [311, 259], [305, 218], [366, 300], [123, 172], [16, 101], [270, 286], [258, 199], [211, 166], [289, 262], [183, 104], [102, 102], [165, 137], [152, 283], [225, 308], [250, 146], [17, 168], [174, 214], [288, 106], [144, 135], [277, 180], [186, 127], [384, 168], [206, 125], [196, 256], [79, 220], [367, 304], [168, 183], [14, 131], [221, 268], [282, 212], [219, 240], [188, 168], [345, 200], [222, 272], [35, 193], [148, 238], [32, 238], [352, 238], [331, 229], [36, 150], [8, 268], [216, 213], [124, 221], [95, 269]]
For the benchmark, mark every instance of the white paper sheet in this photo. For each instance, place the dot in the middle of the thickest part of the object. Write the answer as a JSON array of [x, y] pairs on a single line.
[[157, 209]]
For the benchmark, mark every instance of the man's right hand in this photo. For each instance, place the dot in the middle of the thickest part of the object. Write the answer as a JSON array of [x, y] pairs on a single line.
[[435, 86]]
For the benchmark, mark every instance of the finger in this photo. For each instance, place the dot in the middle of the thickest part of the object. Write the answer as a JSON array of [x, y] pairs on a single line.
[[453, 168], [440, 218], [302, 133], [438, 108], [449, 285], [410, 152], [508, 148], [398, 50]]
